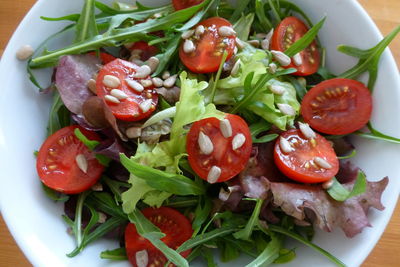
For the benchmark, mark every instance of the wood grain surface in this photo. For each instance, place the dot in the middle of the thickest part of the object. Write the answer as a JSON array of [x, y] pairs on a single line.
[[386, 14]]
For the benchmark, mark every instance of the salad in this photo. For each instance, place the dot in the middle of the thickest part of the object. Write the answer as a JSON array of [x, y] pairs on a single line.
[[195, 126]]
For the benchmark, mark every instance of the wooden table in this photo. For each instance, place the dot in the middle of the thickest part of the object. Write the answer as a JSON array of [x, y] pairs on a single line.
[[386, 15]]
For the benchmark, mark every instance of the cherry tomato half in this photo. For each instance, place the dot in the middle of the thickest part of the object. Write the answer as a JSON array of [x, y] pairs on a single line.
[[303, 163], [287, 33], [147, 50], [171, 222], [337, 106], [133, 107], [230, 161], [210, 47], [57, 162], [104, 57], [182, 4]]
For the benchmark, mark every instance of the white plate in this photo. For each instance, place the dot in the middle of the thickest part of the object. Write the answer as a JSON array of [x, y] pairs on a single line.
[[35, 221]]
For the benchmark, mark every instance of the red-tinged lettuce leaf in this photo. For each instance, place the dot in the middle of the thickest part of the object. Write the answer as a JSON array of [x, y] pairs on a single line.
[[347, 172], [171, 95], [73, 73], [310, 202]]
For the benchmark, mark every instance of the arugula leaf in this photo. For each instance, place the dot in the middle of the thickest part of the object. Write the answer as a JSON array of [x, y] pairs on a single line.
[[306, 40], [265, 23], [161, 180], [86, 25], [243, 26], [105, 202], [275, 10], [118, 254], [54, 195], [201, 213], [213, 86], [377, 135], [165, 58], [246, 232], [59, 116], [340, 193], [240, 7], [71, 17], [270, 253], [281, 230], [91, 144], [285, 256], [228, 251], [368, 59], [209, 257], [151, 232], [115, 187]]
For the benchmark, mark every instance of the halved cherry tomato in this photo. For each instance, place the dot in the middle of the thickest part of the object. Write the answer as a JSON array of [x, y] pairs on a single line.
[[287, 33], [223, 156], [171, 222], [209, 47], [182, 4], [128, 109], [301, 164], [147, 50], [105, 58], [57, 162], [337, 106]]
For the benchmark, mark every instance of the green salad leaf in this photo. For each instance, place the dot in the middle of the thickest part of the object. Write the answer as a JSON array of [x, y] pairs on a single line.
[[338, 192]]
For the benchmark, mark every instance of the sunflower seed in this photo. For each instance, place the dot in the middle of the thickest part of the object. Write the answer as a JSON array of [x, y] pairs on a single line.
[[157, 82], [102, 217], [297, 59], [81, 162], [277, 89], [133, 132], [142, 72], [214, 174], [91, 84], [170, 82], [255, 43], [286, 109], [142, 258], [226, 31], [307, 131], [285, 145], [187, 34], [188, 47], [265, 44], [24, 52], [136, 61], [98, 187], [157, 15], [111, 81], [136, 52], [261, 35], [235, 50], [322, 163], [223, 194], [281, 57], [272, 68], [146, 105], [238, 141], [205, 144], [327, 184], [153, 63], [269, 35], [200, 30], [236, 67], [134, 85], [119, 94], [165, 75], [225, 127], [112, 99], [146, 83], [240, 44]]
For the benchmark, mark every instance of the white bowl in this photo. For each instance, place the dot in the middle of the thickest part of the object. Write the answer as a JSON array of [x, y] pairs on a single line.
[[35, 221]]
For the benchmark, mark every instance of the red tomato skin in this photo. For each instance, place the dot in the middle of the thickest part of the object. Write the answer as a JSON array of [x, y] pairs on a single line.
[[128, 109], [163, 218], [204, 59], [288, 163], [311, 57], [105, 58], [231, 162], [148, 50], [340, 112], [57, 168], [182, 4]]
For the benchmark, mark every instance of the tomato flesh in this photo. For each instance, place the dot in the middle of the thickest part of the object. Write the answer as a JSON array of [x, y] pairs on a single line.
[[231, 162], [171, 222], [56, 162], [209, 47], [299, 164], [337, 106], [147, 50], [287, 33], [128, 109], [182, 4]]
